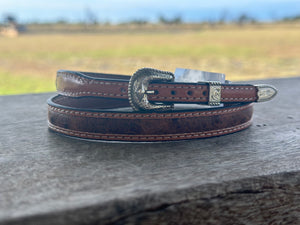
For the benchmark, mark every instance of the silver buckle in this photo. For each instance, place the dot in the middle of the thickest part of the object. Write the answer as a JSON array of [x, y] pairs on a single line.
[[138, 89]]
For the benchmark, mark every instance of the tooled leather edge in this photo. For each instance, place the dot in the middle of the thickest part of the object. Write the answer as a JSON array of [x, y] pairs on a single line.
[[130, 115], [150, 138], [69, 83]]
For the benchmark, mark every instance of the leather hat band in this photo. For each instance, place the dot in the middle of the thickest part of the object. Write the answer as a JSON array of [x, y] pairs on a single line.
[[96, 106]]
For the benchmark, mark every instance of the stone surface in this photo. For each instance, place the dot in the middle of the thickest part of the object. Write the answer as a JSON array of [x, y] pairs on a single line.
[[250, 177]]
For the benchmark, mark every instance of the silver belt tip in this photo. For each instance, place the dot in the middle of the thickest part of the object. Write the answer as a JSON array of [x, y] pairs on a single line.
[[265, 92]]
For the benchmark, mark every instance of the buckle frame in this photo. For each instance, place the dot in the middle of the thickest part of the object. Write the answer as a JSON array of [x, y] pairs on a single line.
[[138, 89]]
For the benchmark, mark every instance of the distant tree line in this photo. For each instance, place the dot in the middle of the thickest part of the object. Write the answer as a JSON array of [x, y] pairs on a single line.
[[175, 20], [292, 18], [92, 19]]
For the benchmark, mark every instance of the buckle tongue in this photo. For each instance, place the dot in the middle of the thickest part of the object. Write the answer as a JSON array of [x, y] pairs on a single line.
[[138, 89]]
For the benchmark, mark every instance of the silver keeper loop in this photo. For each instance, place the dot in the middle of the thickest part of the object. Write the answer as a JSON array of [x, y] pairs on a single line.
[[214, 93]]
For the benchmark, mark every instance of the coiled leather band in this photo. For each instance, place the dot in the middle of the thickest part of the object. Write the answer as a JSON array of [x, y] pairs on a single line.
[[95, 106]]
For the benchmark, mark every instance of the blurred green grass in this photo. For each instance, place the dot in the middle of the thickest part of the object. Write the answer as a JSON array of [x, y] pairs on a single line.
[[15, 84], [28, 63]]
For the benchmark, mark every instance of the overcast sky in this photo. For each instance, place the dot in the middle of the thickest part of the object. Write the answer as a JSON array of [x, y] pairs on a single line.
[[122, 10]]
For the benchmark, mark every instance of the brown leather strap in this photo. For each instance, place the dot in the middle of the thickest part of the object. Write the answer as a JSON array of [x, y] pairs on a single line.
[[67, 116], [79, 84], [95, 106]]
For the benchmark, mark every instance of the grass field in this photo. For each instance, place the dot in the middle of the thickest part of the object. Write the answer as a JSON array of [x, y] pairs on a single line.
[[28, 63]]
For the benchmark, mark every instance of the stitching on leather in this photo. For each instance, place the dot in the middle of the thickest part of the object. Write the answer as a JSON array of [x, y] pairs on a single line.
[[179, 98], [107, 83], [200, 87], [200, 134], [80, 93], [242, 99], [177, 86], [145, 116], [89, 81], [237, 88]]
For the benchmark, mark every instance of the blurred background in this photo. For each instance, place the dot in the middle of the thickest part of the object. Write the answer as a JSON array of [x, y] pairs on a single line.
[[243, 39]]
